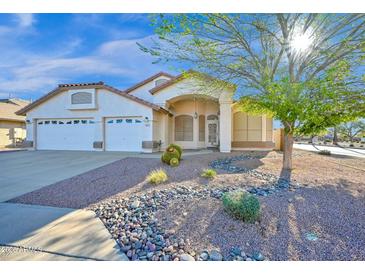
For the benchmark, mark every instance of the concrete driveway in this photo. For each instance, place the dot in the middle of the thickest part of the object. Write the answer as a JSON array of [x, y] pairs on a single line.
[[29, 232], [352, 152], [25, 171]]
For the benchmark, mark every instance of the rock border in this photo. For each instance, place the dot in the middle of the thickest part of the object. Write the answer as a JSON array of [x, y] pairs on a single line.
[[132, 223]]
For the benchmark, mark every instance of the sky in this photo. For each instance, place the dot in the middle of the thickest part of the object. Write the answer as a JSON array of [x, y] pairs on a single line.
[[40, 51]]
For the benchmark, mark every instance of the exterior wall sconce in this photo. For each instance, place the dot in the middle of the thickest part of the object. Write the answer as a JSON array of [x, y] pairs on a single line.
[[195, 115]]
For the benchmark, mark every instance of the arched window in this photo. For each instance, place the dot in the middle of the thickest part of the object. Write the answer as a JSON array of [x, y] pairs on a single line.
[[160, 82], [201, 128], [81, 98], [184, 128]]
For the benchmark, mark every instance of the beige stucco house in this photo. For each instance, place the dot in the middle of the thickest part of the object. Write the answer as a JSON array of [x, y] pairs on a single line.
[[12, 126], [146, 117]]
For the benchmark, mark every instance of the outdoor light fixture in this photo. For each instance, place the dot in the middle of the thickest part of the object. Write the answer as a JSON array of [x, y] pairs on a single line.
[[195, 115]]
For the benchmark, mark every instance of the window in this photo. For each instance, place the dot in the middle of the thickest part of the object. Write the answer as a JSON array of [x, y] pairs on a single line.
[[110, 121], [81, 98], [128, 121], [159, 82], [54, 122], [119, 121], [76, 121], [60, 122], [40, 123], [201, 128], [212, 117], [184, 128], [137, 121], [83, 121], [91, 122], [46, 122], [69, 122]]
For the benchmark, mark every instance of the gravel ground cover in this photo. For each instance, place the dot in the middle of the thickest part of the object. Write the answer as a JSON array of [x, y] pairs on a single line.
[[314, 213]]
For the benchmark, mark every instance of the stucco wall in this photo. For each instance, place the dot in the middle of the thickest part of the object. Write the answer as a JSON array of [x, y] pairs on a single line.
[[143, 91], [108, 104], [9, 131], [189, 107]]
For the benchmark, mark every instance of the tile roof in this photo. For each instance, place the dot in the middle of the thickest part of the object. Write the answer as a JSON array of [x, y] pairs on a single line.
[[99, 85], [8, 108], [149, 79]]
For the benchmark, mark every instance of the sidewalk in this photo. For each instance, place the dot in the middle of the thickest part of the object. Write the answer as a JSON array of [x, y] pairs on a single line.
[[29, 232]]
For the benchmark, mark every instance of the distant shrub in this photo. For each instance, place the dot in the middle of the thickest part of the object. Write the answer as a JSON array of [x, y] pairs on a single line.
[[157, 176], [324, 152], [209, 173], [174, 162], [242, 205], [178, 148], [351, 145]]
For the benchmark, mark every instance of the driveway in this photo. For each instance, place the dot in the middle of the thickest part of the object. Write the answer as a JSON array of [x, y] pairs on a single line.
[[49, 233], [352, 152], [25, 171]]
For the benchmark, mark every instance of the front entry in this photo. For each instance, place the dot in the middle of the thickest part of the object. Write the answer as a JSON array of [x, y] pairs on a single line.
[[213, 131]]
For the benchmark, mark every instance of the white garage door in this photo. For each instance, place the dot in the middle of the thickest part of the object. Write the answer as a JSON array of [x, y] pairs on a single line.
[[124, 134], [65, 134]]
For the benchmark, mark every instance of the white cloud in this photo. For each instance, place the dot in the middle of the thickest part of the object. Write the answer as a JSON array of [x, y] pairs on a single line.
[[32, 73], [25, 20]]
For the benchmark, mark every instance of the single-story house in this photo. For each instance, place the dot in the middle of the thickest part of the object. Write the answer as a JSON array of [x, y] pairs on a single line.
[[146, 117], [12, 126]]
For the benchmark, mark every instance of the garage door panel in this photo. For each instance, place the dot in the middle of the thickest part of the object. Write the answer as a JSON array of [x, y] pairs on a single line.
[[124, 134], [65, 134]]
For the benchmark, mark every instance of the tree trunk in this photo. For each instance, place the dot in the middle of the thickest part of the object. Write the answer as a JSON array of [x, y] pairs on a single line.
[[288, 150], [335, 137]]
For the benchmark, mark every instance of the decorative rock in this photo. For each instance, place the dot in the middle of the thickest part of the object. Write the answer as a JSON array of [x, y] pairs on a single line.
[[258, 256], [215, 256], [204, 256], [186, 257]]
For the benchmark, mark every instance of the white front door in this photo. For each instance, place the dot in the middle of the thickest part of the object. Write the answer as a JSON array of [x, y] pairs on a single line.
[[124, 134], [65, 134], [213, 133]]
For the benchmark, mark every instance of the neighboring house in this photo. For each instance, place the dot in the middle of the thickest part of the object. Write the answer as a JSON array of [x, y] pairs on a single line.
[[12, 126], [146, 117]]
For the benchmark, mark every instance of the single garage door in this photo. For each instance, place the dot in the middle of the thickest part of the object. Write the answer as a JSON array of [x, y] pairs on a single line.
[[65, 134], [124, 134]]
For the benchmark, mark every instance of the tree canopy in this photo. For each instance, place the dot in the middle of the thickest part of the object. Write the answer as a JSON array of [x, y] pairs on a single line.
[[306, 70]]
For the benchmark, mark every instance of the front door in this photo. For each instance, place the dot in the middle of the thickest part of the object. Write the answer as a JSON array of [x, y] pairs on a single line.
[[212, 133]]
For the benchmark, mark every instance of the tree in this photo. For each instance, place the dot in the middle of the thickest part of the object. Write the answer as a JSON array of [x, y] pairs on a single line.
[[305, 70], [352, 129]]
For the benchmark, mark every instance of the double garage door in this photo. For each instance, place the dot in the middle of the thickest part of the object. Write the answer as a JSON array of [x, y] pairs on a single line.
[[121, 134]]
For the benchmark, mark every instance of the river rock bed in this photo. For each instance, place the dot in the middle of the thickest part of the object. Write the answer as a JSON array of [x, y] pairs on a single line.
[[132, 222]]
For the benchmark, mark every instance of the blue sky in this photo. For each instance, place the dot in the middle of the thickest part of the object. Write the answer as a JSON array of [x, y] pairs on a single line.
[[39, 51]]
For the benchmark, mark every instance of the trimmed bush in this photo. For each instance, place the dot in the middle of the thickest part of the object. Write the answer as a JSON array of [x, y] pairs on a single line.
[[242, 205], [169, 154], [178, 148], [209, 173], [157, 176], [324, 152], [174, 162]]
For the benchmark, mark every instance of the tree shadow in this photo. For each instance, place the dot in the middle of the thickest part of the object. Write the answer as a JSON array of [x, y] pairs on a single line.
[[290, 223]]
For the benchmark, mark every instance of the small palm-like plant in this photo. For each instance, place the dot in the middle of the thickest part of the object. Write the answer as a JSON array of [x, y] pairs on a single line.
[[209, 173], [157, 176]]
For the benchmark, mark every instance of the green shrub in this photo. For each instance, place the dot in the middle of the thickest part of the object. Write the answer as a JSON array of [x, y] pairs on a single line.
[[169, 154], [242, 205], [209, 173], [174, 162], [178, 148], [157, 176], [324, 152]]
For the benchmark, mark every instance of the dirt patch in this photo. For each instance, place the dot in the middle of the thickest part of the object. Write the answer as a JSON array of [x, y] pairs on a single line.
[[333, 215]]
